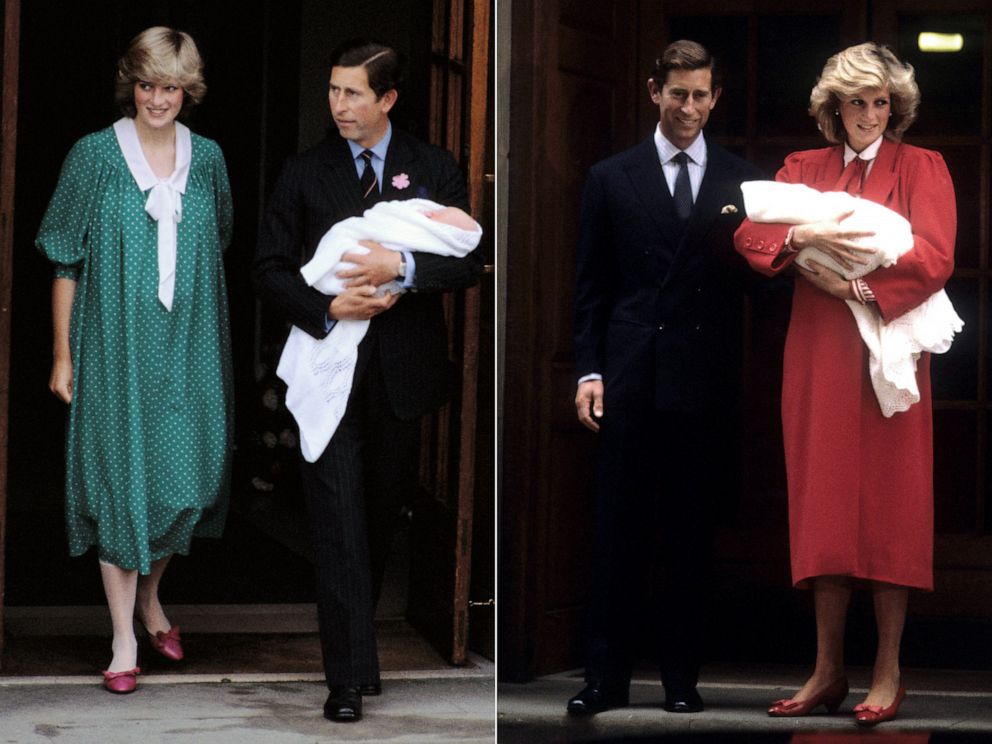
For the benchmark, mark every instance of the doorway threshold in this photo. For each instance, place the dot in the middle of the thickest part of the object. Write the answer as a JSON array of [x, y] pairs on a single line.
[[222, 642], [477, 668], [193, 618]]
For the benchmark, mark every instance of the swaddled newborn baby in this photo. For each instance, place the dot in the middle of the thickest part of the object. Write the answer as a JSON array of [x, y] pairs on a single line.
[[319, 372], [893, 347], [419, 222], [794, 203]]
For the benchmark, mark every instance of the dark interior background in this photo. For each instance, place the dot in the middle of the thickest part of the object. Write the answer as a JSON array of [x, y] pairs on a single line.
[[266, 71], [576, 95]]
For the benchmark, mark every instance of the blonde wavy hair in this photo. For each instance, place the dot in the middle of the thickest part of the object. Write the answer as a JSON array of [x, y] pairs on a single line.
[[854, 70], [160, 55]]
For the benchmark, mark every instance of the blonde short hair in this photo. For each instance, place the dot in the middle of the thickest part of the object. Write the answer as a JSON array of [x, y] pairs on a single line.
[[159, 55], [854, 70]]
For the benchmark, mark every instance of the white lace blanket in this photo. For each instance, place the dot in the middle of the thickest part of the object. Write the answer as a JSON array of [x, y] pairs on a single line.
[[319, 372], [893, 347]]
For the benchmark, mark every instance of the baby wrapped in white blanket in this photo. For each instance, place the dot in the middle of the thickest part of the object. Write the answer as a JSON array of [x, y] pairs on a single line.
[[893, 347], [319, 372]]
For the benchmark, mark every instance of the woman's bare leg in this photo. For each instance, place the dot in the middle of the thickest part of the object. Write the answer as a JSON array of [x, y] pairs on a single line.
[[890, 616], [831, 597], [150, 610], [120, 587]]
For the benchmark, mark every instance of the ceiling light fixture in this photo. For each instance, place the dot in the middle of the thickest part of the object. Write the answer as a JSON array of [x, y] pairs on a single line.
[[930, 41]]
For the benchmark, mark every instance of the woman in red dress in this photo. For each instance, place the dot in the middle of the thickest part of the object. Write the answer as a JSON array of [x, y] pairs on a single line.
[[860, 484]]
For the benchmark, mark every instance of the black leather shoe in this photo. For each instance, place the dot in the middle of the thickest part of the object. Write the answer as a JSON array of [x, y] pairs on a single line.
[[683, 701], [343, 704], [371, 690], [594, 698]]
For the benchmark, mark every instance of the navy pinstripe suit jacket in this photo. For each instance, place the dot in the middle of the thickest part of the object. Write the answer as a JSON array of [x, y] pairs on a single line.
[[318, 188]]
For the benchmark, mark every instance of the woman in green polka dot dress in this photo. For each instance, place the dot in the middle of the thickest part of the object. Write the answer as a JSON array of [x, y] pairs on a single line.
[[136, 229]]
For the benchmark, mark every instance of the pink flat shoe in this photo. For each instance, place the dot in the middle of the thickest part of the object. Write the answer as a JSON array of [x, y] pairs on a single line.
[[121, 683], [167, 643]]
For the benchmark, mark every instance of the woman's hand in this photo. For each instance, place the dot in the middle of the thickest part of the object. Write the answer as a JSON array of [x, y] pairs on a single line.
[[833, 239], [60, 381], [826, 279]]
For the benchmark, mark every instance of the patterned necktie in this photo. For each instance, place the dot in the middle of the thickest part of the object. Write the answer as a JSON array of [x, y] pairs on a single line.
[[368, 181], [852, 180], [683, 191]]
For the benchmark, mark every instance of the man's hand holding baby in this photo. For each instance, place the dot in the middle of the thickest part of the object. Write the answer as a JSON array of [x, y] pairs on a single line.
[[360, 303], [378, 266]]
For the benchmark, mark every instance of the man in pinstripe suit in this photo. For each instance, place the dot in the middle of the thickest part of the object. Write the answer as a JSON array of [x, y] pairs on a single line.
[[354, 490]]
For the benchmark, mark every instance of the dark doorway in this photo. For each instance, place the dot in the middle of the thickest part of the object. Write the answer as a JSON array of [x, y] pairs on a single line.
[[771, 53], [68, 55], [266, 76]]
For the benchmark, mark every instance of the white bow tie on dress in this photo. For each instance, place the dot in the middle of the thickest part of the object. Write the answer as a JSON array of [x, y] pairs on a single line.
[[165, 205], [165, 197]]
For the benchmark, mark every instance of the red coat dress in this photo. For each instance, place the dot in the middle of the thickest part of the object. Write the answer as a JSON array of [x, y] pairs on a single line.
[[860, 484]]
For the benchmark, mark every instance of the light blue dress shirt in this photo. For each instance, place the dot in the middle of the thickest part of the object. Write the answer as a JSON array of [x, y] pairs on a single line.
[[379, 150]]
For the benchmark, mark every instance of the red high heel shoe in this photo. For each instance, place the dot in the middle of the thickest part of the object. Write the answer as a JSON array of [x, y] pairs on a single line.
[[121, 683], [869, 715], [167, 643], [830, 696]]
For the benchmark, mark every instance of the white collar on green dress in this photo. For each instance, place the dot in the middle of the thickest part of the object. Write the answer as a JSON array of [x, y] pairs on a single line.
[[164, 204]]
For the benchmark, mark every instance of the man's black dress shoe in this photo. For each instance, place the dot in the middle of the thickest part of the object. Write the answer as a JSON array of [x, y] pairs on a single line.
[[371, 690], [343, 704], [594, 698], [683, 701]]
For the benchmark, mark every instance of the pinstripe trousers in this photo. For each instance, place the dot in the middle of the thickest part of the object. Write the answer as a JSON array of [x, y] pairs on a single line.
[[354, 493]]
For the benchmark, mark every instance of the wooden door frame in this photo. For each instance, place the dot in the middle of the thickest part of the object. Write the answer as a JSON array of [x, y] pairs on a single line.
[[477, 127], [8, 153], [459, 134], [536, 412], [458, 123]]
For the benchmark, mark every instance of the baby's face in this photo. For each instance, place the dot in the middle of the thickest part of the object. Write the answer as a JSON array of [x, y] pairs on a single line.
[[452, 216]]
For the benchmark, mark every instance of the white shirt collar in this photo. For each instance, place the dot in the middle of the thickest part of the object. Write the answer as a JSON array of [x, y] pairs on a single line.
[[868, 153], [127, 139], [666, 150]]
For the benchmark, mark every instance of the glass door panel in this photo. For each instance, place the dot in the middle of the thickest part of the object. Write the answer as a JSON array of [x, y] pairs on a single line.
[[791, 53], [727, 38]]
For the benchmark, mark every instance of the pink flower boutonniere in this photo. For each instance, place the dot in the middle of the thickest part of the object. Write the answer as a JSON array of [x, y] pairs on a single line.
[[401, 181]]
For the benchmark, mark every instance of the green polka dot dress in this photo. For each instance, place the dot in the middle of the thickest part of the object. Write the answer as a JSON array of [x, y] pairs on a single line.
[[149, 439]]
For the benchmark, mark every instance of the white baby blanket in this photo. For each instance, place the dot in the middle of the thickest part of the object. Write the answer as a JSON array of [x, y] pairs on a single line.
[[893, 347], [319, 372]]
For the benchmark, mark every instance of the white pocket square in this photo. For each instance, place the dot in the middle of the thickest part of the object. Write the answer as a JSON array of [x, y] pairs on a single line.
[[729, 209]]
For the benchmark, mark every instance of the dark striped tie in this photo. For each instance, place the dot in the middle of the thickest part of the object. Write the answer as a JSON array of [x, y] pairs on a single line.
[[368, 182], [683, 191]]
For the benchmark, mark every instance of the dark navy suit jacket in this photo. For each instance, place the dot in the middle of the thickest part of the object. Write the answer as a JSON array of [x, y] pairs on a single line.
[[658, 311]]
